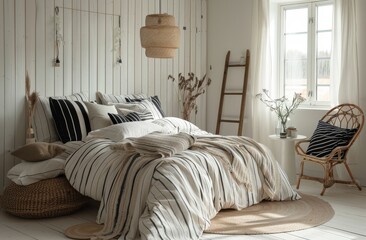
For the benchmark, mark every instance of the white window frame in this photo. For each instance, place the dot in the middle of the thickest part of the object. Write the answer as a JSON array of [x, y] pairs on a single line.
[[311, 51]]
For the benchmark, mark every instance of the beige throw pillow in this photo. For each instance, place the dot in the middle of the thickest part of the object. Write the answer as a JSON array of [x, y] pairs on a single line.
[[38, 151], [98, 115]]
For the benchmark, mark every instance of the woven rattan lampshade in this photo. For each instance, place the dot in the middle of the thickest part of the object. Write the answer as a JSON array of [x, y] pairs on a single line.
[[160, 37]]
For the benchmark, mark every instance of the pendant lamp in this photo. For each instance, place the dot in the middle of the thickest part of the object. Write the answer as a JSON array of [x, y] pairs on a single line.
[[160, 37]]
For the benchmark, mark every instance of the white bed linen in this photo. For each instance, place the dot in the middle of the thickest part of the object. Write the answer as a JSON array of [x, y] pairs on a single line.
[[175, 197]]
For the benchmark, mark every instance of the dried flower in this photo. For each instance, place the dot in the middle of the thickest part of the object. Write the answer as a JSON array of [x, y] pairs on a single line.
[[281, 106], [190, 88], [32, 99]]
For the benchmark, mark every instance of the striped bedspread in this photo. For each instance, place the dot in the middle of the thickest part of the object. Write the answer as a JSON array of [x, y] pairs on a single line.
[[173, 196]]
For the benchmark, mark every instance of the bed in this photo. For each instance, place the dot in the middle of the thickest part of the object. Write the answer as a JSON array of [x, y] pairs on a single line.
[[157, 177]]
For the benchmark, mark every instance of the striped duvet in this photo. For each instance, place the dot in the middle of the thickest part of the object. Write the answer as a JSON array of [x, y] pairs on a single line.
[[148, 195]]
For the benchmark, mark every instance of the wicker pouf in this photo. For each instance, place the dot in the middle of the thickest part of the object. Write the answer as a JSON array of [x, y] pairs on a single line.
[[46, 198]]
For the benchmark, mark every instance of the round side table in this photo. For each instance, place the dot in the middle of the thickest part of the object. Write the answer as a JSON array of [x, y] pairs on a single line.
[[287, 158]]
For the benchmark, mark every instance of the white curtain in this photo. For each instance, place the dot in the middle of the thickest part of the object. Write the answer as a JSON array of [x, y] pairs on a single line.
[[263, 121], [345, 70], [348, 76]]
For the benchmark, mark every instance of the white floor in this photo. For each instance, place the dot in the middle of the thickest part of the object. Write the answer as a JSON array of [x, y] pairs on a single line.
[[349, 221]]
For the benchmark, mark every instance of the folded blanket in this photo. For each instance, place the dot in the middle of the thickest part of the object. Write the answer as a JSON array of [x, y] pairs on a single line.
[[156, 143]]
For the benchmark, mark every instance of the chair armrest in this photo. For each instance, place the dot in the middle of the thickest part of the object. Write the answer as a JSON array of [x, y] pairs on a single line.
[[337, 152], [299, 150]]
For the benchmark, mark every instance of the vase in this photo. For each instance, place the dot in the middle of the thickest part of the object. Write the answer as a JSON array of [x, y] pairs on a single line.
[[283, 133], [278, 128]]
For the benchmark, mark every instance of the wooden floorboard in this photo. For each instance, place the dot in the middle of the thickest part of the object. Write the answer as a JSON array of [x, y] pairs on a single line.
[[349, 222]]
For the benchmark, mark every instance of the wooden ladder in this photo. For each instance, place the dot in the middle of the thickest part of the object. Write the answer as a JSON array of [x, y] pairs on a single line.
[[228, 65]]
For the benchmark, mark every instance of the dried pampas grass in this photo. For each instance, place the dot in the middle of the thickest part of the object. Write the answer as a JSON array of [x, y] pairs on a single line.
[[190, 89], [32, 99]]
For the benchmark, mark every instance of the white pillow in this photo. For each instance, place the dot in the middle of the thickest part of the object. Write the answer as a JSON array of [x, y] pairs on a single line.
[[106, 99], [26, 173], [98, 115], [118, 132], [180, 124]]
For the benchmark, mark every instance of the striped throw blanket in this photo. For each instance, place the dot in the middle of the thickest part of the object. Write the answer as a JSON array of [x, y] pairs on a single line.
[[175, 193]]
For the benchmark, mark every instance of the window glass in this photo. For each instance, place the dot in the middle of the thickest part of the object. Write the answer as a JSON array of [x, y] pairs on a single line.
[[306, 50]]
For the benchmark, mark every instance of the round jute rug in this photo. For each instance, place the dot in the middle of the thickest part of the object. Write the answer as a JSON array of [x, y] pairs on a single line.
[[273, 217], [83, 230]]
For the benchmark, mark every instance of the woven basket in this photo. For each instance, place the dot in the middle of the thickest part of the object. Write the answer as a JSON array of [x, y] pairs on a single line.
[[46, 198]]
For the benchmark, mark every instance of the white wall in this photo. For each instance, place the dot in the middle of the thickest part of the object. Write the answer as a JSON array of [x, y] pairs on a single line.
[[229, 28], [88, 64], [232, 31]]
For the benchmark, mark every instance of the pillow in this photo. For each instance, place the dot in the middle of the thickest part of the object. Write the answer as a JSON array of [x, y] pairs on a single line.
[[179, 124], [141, 106], [326, 137], [26, 173], [38, 151], [143, 114], [155, 100], [42, 121], [98, 115], [71, 119], [106, 99], [121, 131], [131, 117], [70, 147]]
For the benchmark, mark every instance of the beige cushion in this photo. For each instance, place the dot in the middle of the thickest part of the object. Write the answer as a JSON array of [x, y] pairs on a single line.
[[98, 115], [26, 173], [38, 151]]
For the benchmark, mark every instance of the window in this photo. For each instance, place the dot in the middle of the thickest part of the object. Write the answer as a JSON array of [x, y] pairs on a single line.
[[306, 48]]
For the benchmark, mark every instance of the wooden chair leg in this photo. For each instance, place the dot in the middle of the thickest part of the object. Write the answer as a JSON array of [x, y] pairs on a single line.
[[351, 175], [301, 174], [328, 173], [323, 191]]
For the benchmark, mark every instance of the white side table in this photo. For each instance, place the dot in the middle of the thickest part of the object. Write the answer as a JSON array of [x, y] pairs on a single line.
[[287, 158]]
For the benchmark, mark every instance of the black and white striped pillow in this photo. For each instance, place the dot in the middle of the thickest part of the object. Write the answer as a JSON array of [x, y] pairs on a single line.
[[326, 137], [117, 118], [154, 99], [42, 120], [71, 119], [141, 106]]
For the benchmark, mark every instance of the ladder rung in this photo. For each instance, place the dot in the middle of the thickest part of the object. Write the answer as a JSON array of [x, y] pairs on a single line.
[[230, 121], [236, 65], [233, 93]]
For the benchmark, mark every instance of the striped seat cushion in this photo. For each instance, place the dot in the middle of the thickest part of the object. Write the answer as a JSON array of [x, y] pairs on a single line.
[[71, 119], [327, 137]]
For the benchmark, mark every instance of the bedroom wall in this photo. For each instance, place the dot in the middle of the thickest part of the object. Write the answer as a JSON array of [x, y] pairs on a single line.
[[229, 29], [232, 31], [88, 64]]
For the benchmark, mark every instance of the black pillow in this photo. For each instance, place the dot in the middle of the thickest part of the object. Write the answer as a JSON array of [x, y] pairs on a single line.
[[71, 119], [326, 137], [117, 118]]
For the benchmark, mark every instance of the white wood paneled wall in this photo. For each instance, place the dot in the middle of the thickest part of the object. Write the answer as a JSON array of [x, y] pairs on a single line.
[[88, 64]]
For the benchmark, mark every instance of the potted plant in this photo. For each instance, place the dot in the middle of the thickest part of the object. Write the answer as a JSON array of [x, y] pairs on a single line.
[[281, 106]]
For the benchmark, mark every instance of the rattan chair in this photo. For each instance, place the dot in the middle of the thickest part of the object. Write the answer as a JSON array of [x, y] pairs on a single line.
[[345, 116]]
